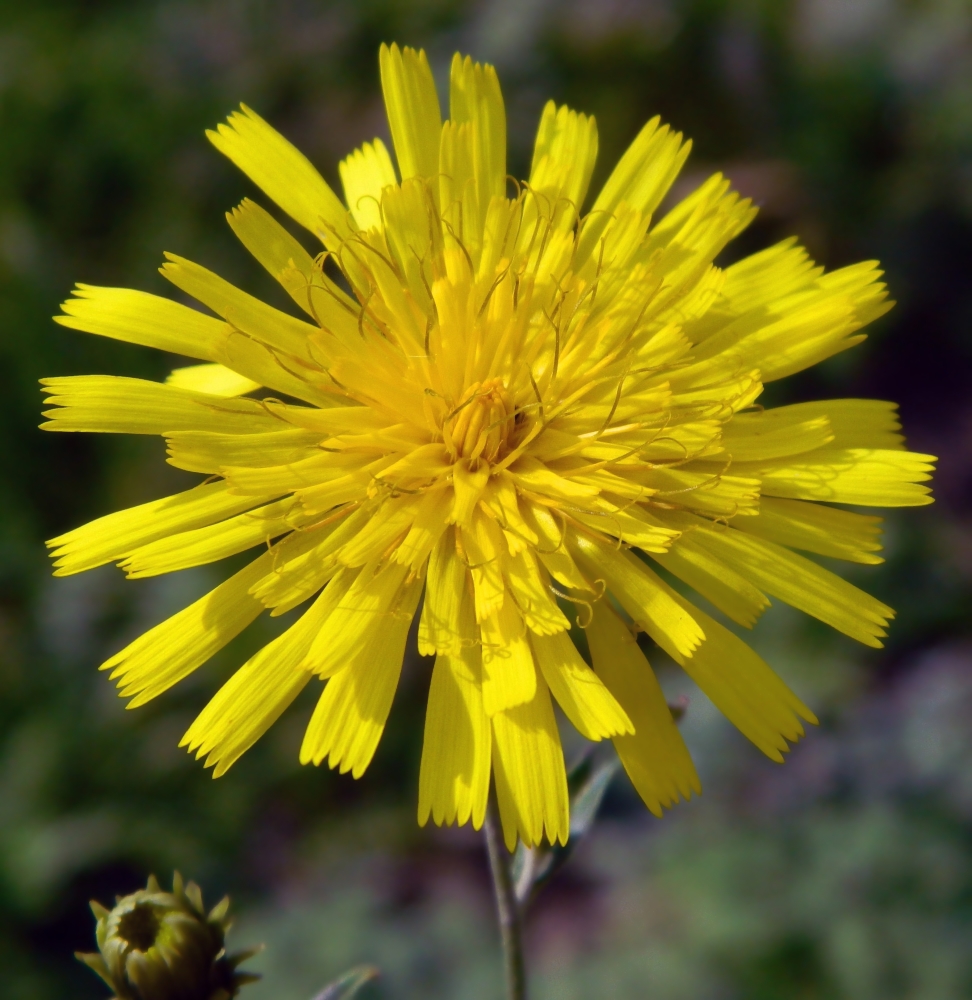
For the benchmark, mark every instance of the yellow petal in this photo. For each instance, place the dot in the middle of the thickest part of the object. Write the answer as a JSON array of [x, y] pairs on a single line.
[[530, 587], [423, 463], [411, 241], [530, 474], [483, 546], [655, 755], [589, 705], [800, 582], [741, 685], [828, 531], [426, 530], [701, 223], [304, 562], [216, 541], [262, 363], [351, 713], [115, 405], [447, 587], [391, 521], [531, 782], [797, 323], [324, 480], [641, 594], [468, 484], [501, 500], [646, 170], [166, 654], [454, 776], [563, 160], [242, 310], [249, 703], [280, 169], [866, 476], [372, 606], [858, 423], [293, 267], [475, 99], [758, 282], [139, 318], [752, 437], [209, 451], [552, 551], [364, 174], [509, 675], [632, 526], [715, 579], [110, 537], [217, 380], [711, 492], [641, 178], [412, 107]]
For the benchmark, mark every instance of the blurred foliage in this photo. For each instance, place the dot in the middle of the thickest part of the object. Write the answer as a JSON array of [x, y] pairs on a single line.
[[846, 874]]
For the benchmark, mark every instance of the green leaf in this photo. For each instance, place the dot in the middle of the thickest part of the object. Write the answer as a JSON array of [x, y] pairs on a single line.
[[347, 986], [586, 801]]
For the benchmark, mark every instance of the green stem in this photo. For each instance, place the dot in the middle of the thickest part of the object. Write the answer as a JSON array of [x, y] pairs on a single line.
[[507, 908]]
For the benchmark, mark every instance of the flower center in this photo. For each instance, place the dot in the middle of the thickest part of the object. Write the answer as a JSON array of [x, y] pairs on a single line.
[[481, 424], [139, 927]]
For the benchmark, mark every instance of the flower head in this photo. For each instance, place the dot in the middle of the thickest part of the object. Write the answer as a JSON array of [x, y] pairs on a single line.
[[505, 410], [156, 945]]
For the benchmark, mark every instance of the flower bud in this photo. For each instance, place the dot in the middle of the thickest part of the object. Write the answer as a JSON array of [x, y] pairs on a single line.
[[157, 945]]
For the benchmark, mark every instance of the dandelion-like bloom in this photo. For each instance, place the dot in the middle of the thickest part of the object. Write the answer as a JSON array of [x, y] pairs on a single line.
[[511, 408]]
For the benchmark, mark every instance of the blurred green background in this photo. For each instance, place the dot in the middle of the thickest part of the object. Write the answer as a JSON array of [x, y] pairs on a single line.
[[847, 873]]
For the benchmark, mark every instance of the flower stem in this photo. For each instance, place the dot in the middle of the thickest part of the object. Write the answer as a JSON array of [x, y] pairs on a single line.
[[507, 908]]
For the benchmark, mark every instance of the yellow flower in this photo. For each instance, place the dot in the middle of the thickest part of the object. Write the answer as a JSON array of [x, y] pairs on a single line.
[[493, 401]]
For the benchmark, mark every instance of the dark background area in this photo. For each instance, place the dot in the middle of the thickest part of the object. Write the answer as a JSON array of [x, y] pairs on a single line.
[[847, 873]]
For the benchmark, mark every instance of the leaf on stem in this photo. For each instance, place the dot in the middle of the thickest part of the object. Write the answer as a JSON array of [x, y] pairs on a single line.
[[347, 986]]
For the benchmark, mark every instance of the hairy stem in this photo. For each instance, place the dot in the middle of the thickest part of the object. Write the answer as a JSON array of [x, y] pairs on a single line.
[[507, 908]]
